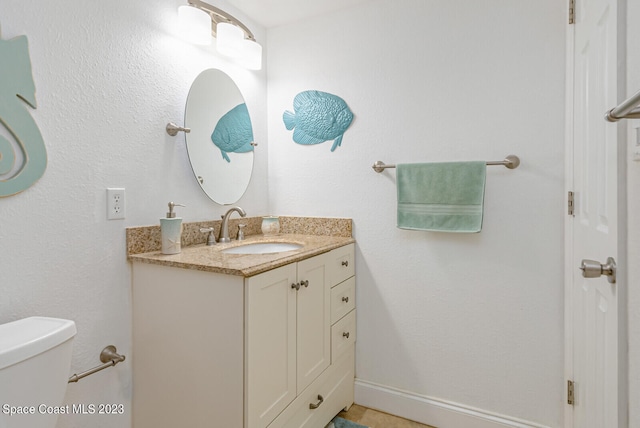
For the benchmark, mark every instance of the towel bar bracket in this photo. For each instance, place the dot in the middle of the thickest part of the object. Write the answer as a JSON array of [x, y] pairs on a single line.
[[511, 162], [379, 166]]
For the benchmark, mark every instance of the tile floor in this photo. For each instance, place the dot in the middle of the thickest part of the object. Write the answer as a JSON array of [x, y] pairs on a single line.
[[374, 419]]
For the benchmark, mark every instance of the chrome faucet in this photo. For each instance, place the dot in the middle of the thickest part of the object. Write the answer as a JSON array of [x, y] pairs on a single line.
[[224, 229]]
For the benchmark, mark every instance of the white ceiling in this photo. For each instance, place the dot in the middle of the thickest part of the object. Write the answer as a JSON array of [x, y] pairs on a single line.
[[272, 13]]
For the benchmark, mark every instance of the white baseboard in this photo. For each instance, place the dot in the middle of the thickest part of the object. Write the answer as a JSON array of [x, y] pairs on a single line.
[[430, 411]]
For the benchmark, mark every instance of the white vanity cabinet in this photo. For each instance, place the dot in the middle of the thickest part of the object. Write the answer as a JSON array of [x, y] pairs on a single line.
[[332, 390], [272, 350]]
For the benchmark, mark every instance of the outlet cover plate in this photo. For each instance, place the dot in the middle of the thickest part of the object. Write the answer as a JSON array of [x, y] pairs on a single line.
[[115, 203]]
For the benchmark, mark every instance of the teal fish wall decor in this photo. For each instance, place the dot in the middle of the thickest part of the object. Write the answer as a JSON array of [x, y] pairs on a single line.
[[318, 117], [233, 133], [16, 84]]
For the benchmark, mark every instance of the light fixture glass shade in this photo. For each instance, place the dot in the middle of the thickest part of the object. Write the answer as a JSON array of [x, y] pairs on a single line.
[[195, 25], [251, 55], [229, 39]]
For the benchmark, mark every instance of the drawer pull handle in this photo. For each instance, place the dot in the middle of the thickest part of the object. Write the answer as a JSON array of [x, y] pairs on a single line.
[[296, 286], [305, 283], [345, 263], [313, 406], [345, 334], [345, 299]]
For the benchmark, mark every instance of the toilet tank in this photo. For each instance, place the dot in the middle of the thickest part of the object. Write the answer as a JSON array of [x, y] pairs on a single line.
[[35, 357]]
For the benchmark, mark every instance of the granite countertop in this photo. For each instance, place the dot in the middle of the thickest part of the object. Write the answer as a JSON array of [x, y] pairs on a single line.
[[212, 259]]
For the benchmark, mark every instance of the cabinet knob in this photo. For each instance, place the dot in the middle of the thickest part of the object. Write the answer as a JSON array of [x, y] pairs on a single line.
[[316, 405], [345, 263], [305, 282], [345, 299], [345, 334], [296, 286]]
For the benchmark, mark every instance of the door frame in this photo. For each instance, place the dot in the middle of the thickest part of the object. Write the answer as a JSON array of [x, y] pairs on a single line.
[[622, 274]]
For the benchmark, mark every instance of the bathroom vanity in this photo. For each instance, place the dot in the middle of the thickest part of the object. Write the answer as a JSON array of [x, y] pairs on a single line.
[[244, 340]]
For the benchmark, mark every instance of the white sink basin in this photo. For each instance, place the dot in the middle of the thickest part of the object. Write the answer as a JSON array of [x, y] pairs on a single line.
[[263, 248]]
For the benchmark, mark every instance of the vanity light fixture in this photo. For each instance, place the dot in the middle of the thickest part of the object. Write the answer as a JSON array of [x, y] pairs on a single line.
[[233, 38]]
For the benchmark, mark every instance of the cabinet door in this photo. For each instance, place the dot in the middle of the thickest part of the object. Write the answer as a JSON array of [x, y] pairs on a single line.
[[313, 320], [270, 349]]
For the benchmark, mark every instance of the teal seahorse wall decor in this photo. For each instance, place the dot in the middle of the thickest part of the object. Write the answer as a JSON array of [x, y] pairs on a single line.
[[16, 83]]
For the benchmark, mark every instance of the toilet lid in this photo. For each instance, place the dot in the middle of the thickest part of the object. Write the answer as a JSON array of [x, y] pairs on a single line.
[[28, 337]]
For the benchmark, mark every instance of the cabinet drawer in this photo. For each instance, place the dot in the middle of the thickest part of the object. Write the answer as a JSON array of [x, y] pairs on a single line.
[[335, 385], [341, 264], [343, 299], [343, 335]]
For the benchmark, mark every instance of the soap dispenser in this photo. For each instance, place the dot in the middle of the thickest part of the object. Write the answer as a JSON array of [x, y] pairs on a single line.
[[171, 231]]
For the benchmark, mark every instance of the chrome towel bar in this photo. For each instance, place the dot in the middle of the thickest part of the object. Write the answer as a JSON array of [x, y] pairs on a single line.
[[109, 356], [628, 109], [511, 162]]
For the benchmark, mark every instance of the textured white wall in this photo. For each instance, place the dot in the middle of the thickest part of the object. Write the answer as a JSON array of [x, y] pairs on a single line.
[[473, 319], [108, 76]]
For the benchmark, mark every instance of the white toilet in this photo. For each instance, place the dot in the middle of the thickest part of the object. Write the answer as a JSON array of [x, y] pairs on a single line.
[[35, 357]]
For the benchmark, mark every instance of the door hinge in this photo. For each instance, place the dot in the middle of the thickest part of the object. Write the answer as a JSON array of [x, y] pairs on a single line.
[[570, 203], [570, 392], [572, 11]]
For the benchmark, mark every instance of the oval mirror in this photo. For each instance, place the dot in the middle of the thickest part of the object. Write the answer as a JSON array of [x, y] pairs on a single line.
[[220, 144]]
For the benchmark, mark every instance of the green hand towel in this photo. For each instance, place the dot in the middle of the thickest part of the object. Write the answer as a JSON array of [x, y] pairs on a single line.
[[442, 197]]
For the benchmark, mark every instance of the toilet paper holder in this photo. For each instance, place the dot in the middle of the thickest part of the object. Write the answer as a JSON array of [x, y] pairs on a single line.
[[109, 356]]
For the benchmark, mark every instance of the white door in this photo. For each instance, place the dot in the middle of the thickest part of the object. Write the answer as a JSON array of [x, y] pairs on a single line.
[[592, 303]]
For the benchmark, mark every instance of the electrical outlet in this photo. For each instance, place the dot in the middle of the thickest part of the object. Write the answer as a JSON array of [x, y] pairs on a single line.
[[115, 203]]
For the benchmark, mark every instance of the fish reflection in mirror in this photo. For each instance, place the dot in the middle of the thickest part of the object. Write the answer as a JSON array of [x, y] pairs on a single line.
[[233, 132]]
